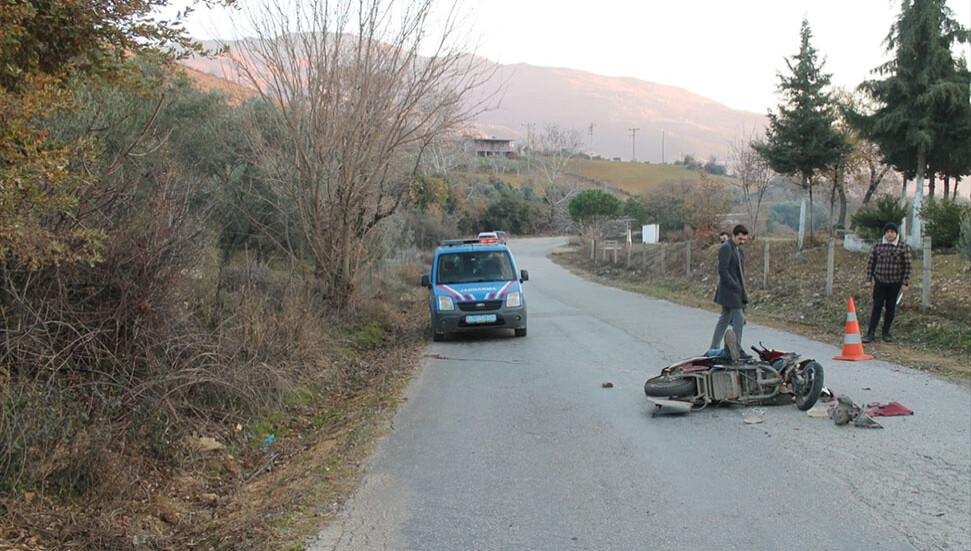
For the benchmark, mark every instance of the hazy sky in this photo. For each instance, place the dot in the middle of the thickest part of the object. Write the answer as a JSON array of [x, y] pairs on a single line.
[[726, 50]]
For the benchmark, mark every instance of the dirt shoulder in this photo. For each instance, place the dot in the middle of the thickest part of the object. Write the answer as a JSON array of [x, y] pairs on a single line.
[[273, 493], [935, 339]]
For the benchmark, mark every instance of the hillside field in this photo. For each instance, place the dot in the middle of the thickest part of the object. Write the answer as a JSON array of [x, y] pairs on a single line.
[[634, 178]]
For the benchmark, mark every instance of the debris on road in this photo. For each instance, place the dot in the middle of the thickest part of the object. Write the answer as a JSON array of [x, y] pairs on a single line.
[[844, 411], [887, 410], [865, 421]]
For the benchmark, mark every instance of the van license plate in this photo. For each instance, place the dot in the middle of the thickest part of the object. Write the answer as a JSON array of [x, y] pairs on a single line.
[[481, 318]]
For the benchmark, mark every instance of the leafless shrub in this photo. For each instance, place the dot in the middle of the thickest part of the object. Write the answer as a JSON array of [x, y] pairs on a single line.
[[352, 94]]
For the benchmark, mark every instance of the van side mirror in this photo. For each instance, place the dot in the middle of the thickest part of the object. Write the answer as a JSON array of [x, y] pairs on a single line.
[[523, 276], [426, 281]]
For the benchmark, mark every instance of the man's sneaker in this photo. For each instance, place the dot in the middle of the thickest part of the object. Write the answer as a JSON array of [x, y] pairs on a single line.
[[746, 357], [887, 337], [868, 337], [731, 344]]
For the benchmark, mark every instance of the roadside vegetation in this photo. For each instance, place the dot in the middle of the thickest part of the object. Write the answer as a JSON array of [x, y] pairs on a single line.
[[208, 291], [936, 339]]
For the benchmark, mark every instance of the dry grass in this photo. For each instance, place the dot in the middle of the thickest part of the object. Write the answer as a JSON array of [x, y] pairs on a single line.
[[634, 178], [258, 438]]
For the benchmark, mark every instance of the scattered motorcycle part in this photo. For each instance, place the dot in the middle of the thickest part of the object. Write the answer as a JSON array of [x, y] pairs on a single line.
[[865, 421], [845, 411], [669, 406], [819, 411]]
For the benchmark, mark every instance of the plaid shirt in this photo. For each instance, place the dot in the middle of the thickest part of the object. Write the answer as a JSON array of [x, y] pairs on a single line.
[[889, 263]]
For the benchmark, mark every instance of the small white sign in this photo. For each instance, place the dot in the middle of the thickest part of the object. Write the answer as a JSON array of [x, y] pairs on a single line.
[[650, 233]]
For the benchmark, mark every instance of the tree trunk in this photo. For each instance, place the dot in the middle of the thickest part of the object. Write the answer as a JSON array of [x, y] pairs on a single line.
[[915, 226], [808, 183], [876, 176], [842, 217]]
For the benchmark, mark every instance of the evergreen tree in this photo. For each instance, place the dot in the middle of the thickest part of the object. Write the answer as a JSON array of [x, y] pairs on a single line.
[[803, 138], [924, 99], [593, 208], [952, 157]]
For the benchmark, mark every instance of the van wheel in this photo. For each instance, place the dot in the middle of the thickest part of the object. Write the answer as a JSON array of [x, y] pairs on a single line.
[[521, 332]]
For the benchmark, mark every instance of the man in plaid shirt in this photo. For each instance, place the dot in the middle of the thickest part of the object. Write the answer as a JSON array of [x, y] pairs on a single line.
[[887, 272]]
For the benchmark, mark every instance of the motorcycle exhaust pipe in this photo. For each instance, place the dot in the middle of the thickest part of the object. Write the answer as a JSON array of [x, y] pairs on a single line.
[[773, 379]]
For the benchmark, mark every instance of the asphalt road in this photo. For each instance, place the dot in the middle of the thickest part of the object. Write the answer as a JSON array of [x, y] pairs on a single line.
[[513, 443]]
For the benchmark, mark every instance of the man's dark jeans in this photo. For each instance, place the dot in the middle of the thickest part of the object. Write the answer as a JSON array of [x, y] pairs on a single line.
[[884, 296]]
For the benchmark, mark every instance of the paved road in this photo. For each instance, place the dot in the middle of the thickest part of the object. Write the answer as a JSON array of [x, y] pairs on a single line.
[[512, 443]]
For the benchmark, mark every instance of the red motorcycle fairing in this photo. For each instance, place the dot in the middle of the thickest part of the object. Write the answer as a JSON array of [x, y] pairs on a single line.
[[691, 364]]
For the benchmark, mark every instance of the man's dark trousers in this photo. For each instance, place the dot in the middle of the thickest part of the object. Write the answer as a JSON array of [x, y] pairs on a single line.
[[884, 297]]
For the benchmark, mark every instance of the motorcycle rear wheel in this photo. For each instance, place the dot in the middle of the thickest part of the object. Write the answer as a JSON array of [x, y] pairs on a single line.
[[665, 387], [808, 391]]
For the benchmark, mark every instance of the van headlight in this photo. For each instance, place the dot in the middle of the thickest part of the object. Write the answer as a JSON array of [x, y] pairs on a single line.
[[514, 300], [445, 303]]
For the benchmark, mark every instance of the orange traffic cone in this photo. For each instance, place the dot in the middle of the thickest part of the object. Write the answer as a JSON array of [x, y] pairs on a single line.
[[852, 345]]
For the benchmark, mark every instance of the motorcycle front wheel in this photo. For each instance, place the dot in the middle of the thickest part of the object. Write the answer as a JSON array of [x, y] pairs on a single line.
[[807, 385], [664, 386]]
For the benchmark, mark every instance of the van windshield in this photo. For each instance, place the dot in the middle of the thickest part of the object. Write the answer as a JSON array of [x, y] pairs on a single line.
[[474, 267]]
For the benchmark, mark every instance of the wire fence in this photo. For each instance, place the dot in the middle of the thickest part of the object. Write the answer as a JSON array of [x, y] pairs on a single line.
[[674, 259]]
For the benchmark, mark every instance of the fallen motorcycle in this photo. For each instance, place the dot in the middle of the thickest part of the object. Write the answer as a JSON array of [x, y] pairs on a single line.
[[772, 377]]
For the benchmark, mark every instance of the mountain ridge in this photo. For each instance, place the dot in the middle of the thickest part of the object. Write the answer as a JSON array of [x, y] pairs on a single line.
[[671, 121], [686, 122]]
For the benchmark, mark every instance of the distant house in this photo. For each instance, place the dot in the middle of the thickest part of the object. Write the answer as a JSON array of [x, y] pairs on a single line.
[[490, 147]]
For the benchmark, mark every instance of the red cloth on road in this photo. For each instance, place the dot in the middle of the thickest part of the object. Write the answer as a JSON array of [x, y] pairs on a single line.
[[889, 409]]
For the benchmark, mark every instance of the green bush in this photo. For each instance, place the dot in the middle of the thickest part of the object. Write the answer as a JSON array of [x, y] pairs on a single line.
[[942, 222], [869, 220], [964, 242]]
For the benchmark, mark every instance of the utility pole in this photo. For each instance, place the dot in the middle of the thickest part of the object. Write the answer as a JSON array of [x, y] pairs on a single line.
[[591, 137], [529, 144], [633, 144], [529, 133], [662, 147]]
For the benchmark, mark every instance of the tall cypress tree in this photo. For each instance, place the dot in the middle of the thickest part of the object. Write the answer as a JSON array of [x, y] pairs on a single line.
[[952, 154], [924, 99], [802, 137]]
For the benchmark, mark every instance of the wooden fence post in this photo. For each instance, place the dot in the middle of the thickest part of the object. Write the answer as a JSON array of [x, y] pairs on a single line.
[[687, 259], [830, 258], [629, 247], [926, 291], [663, 247], [593, 250], [765, 266]]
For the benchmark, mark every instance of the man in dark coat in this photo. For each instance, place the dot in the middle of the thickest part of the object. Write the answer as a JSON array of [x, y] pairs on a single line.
[[731, 287]]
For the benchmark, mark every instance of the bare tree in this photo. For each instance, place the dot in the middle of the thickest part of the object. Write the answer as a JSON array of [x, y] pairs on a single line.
[[551, 152], [752, 173], [353, 93], [707, 202], [444, 153]]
